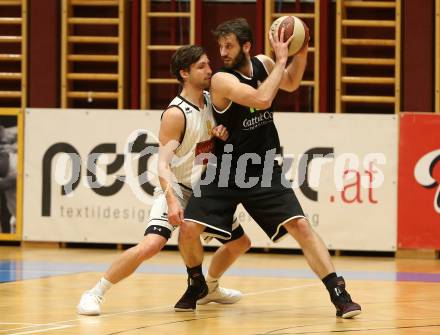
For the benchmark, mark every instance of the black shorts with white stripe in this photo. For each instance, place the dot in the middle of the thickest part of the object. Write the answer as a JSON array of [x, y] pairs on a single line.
[[271, 207]]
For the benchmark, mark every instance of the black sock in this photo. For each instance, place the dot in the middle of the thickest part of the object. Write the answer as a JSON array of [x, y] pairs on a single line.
[[328, 279], [196, 274]]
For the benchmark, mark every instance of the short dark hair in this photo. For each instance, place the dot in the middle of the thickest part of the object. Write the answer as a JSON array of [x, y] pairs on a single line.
[[183, 58], [239, 27]]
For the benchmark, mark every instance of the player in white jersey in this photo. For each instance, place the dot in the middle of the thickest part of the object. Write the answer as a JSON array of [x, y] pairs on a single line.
[[187, 127]]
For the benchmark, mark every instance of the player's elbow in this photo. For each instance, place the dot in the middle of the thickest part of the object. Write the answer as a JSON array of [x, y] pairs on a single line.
[[292, 87], [258, 99], [291, 83], [263, 103], [263, 106]]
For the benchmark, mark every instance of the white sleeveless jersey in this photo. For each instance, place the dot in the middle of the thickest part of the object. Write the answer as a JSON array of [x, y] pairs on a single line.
[[197, 139]]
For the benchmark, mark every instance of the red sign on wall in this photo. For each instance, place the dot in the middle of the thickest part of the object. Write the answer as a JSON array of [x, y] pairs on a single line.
[[419, 181]]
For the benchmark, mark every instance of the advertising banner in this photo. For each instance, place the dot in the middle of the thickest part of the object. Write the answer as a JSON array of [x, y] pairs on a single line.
[[419, 181], [82, 172], [343, 169], [11, 153]]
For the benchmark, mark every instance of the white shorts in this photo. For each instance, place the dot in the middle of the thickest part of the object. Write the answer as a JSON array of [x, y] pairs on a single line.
[[159, 211]]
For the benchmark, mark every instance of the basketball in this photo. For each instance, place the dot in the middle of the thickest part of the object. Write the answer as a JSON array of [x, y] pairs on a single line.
[[292, 25]]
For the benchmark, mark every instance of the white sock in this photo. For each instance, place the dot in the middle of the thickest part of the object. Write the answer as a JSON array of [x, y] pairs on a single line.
[[101, 287], [212, 282]]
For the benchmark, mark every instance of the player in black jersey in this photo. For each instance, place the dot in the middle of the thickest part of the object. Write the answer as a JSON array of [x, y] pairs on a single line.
[[245, 169]]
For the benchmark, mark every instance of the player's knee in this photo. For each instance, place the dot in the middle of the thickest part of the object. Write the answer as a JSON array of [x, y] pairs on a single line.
[[299, 228], [239, 246], [150, 247], [189, 231]]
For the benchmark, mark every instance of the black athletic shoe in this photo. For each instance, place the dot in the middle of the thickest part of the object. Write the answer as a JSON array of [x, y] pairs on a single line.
[[345, 307], [195, 291]]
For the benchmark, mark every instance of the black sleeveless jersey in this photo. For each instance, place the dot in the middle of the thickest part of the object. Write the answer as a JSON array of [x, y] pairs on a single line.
[[251, 130]]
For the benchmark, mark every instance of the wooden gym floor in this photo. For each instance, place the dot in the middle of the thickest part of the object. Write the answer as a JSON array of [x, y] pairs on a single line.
[[41, 287]]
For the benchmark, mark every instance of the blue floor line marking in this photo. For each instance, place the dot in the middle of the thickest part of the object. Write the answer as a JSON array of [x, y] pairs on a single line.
[[23, 270]]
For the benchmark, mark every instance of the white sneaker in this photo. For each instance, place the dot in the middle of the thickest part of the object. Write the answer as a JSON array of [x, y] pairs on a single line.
[[221, 295], [90, 304]]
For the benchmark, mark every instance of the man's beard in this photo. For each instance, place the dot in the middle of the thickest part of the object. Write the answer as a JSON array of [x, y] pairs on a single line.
[[239, 61]]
